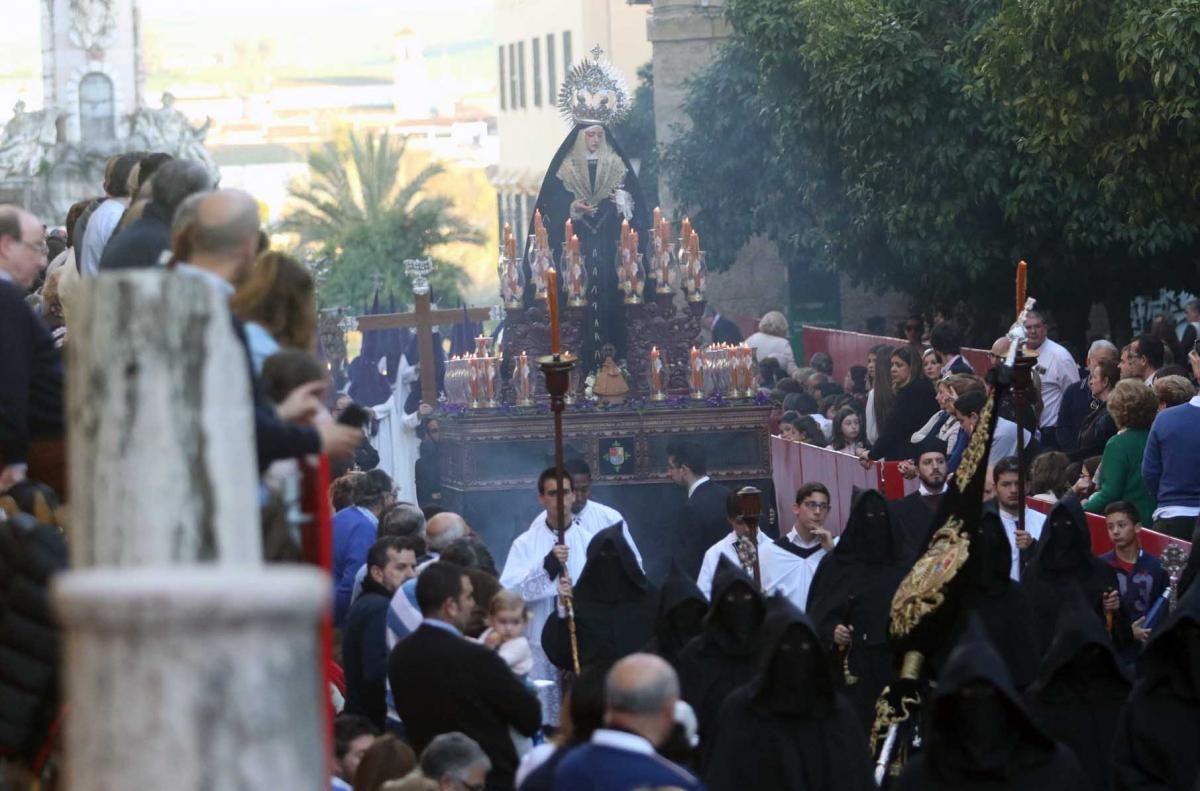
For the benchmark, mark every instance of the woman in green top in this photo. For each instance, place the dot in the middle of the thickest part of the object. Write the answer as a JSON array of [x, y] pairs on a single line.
[[1132, 405]]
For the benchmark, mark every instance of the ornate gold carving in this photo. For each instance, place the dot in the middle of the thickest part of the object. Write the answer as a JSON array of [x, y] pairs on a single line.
[[922, 590], [886, 716], [977, 448]]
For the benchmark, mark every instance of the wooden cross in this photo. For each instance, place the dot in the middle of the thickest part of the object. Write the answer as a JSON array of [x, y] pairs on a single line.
[[422, 321]]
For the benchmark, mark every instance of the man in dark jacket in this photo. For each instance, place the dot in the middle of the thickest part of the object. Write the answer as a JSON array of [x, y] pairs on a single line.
[[977, 736], [31, 375], [390, 562], [702, 522], [724, 330], [443, 682], [142, 244]]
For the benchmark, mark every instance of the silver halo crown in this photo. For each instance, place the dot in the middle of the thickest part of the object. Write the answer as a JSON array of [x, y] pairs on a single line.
[[594, 92]]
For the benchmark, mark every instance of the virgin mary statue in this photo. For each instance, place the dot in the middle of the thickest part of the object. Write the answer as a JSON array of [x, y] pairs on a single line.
[[590, 182]]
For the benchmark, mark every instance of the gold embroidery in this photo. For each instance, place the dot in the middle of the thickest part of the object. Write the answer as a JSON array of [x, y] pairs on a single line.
[[922, 590]]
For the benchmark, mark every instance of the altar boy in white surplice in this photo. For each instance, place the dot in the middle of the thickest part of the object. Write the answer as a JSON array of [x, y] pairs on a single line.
[[396, 438], [534, 566]]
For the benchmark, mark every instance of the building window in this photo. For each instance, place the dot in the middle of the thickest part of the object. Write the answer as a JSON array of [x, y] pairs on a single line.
[[551, 76], [97, 119], [503, 87], [521, 72], [567, 51], [512, 77], [537, 72]]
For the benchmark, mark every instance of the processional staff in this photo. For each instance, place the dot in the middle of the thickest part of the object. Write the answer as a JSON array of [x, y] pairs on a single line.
[[557, 367]]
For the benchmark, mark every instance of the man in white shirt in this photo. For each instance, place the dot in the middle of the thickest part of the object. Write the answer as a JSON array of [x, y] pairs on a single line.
[[108, 214], [1009, 502], [589, 514], [804, 545], [1057, 370], [535, 563]]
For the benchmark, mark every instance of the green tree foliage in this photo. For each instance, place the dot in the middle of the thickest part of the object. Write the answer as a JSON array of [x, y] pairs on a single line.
[[636, 135], [368, 217], [926, 145]]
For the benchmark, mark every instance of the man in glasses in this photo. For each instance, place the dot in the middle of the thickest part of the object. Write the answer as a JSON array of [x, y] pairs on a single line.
[[797, 554], [31, 377]]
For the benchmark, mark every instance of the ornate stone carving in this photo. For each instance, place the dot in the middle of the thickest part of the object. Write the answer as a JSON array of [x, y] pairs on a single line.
[[169, 130], [92, 25], [28, 143]]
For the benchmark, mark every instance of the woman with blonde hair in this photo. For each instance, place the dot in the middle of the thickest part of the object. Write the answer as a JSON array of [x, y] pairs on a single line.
[[278, 304], [1133, 406], [771, 340]]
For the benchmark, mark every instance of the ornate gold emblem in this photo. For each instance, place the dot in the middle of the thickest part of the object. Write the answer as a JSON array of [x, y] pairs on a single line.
[[923, 589], [977, 448]]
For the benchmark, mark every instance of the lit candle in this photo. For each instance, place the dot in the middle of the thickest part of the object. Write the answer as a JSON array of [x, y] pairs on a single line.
[[1022, 274], [657, 217], [568, 229], [655, 374], [697, 370], [552, 304]]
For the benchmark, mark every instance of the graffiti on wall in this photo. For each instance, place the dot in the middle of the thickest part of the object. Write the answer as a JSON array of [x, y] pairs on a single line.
[[1144, 310]]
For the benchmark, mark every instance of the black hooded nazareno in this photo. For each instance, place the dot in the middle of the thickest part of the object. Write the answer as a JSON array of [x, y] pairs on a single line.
[[789, 727], [979, 738], [1063, 561], [1080, 690], [1001, 603], [681, 612], [614, 606], [723, 657], [854, 586], [1158, 736]]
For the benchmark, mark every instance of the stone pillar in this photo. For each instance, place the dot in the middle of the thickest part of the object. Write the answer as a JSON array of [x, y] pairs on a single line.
[[160, 426], [685, 36], [193, 679]]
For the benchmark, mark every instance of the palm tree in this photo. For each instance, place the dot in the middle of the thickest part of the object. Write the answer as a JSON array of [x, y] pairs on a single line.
[[358, 206]]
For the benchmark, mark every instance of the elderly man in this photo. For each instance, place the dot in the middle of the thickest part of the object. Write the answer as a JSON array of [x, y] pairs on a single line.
[[1077, 398], [31, 382], [1058, 371], [640, 696]]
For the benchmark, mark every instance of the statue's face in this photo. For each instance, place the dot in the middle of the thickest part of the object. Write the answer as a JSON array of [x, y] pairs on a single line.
[[593, 138]]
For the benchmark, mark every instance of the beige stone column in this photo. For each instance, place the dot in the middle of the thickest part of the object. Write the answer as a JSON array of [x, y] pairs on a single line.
[[160, 426], [200, 678]]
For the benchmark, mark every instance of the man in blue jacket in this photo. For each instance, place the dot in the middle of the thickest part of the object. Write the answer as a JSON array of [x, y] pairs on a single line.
[[354, 531], [640, 692]]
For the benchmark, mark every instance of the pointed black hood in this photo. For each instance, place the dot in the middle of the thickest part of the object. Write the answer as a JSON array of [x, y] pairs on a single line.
[[795, 679], [734, 618], [1081, 646], [612, 572], [1065, 544], [869, 536], [977, 728], [681, 610]]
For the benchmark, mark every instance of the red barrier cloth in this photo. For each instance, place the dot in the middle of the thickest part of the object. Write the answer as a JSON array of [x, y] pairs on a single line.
[[316, 541]]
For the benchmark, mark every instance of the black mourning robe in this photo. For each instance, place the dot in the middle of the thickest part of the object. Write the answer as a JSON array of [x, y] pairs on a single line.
[[722, 658], [1001, 603], [599, 237], [979, 738], [854, 586], [1080, 690], [681, 609], [789, 728], [1063, 561], [615, 606], [1158, 735]]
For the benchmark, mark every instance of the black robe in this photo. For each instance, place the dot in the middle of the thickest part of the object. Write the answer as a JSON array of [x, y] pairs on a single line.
[[1063, 561], [614, 606], [979, 738], [1080, 690], [723, 657], [854, 586], [681, 609], [599, 237], [789, 728], [1001, 603], [1158, 735]]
